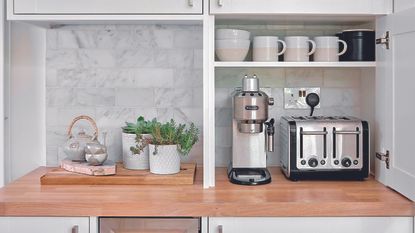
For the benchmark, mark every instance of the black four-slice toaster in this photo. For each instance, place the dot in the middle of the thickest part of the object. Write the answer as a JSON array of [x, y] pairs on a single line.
[[321, 147]]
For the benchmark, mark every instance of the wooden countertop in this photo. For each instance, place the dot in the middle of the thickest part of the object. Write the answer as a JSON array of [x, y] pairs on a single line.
[[26, 197]]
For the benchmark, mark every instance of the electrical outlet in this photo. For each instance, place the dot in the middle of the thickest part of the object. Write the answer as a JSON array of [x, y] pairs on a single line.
[[294, 98]]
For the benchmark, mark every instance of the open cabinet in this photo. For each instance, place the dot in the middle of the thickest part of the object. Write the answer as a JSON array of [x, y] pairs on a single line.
[[385, 85], [394, 111]]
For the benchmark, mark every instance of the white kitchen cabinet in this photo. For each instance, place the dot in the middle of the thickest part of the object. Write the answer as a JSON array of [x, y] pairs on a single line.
[[400, 5], [312, 224], [44, 225], [300, 7], [394, 110], [32, 7]]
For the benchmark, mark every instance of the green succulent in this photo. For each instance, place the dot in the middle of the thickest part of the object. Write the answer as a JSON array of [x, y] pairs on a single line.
[[139, 128], [170, 133]]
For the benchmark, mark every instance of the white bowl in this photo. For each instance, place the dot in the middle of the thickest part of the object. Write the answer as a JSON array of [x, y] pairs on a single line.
[[232, 50], [223, 34], [227, 44]]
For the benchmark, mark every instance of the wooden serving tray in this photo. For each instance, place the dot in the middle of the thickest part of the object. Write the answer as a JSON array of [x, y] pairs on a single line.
[[123, 176]]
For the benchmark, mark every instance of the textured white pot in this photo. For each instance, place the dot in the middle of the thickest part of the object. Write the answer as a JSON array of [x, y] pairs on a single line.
[[130, 160], [165, 161]]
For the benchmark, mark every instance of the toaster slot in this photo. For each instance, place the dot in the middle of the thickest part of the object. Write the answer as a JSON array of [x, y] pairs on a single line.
[[348, 139], [322, 133]]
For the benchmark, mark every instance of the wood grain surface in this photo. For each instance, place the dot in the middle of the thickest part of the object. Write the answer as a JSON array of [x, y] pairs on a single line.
[[28, 197], [58, 176], [107, 169]]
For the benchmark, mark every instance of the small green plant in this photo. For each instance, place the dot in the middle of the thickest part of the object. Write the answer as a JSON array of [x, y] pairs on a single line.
[[139, 128], [170, 133]]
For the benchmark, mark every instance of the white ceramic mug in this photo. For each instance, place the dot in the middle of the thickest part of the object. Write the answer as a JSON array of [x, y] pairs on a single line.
[[265, 48], [328, 48], [298, 48]]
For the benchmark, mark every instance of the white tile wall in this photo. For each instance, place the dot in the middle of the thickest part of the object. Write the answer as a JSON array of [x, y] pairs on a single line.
[[115, 73]]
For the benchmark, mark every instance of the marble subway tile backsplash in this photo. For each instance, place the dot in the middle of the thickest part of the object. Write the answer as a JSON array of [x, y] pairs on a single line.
[[340, 95], [115, 73]]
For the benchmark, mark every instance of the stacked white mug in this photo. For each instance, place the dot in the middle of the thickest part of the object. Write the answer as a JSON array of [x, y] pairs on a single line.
[[328, 48], [298, 48], [232, 44], [266, 48]]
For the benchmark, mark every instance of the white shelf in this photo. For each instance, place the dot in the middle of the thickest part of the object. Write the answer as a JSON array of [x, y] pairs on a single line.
[[294, 64]]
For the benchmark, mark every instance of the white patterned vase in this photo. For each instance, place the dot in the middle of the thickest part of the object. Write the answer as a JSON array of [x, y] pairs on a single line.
[[164, 159], [134, 161]]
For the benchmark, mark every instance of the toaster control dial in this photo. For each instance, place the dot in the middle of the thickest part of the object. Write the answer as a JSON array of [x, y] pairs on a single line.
[[346, 162], [313, 162]]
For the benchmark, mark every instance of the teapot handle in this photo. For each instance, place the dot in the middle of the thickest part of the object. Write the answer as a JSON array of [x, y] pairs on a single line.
[[83, 117]]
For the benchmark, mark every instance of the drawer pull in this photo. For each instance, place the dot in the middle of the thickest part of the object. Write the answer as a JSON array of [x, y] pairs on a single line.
[[190, 3], [75, 229], [220, 2], [220, 229]]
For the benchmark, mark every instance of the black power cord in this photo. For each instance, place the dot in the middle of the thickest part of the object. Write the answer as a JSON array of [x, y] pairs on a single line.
[[312, 100]]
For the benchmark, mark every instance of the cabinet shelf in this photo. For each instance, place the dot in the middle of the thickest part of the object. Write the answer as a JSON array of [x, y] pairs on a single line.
[[294, 64]]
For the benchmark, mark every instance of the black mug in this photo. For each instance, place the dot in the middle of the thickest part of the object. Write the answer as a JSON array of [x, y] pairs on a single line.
[[361, 45]]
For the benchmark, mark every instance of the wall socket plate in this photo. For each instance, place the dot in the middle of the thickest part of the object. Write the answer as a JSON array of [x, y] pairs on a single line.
[[294, 98]]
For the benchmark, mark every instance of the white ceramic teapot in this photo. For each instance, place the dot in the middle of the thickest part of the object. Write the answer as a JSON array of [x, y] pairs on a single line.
[[74, 148]]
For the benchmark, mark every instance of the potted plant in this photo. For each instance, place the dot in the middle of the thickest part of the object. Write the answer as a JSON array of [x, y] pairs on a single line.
[[135, 138], [168, 142]]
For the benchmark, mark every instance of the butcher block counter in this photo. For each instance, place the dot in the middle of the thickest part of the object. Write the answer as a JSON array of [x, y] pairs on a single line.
[[26, 197]]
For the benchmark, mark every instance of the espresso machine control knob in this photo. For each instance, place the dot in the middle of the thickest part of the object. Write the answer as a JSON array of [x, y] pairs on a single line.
[[346, 162], [313, 162], [270, 101]]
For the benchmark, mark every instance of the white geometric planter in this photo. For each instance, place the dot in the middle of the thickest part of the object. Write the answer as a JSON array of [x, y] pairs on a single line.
[[134, 161], [165, 161]]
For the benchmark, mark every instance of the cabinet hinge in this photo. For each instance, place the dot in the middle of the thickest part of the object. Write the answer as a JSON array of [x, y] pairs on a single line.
[[383, 157], [384, 40]]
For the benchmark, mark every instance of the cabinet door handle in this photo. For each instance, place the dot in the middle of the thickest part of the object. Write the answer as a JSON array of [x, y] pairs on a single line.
[[75, 229], [220, 229], [190, 3], [220, 2]]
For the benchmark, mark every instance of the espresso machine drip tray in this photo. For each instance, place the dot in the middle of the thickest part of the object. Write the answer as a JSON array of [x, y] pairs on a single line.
[[249, 176]]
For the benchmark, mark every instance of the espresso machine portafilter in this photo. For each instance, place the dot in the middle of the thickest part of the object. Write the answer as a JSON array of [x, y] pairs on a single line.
[[252, 135]]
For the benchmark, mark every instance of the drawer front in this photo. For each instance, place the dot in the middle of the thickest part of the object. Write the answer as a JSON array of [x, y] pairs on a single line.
[[108, 6], [299, 6], [44, 224], [149, 225], [312, 224]]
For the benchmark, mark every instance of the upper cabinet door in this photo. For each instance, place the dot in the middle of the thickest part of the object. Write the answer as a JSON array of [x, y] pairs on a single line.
[[395, 82], [106, 6], [365, 7]]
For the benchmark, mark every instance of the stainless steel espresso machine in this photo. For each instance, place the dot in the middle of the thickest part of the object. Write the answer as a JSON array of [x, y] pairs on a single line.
[[252, 135]]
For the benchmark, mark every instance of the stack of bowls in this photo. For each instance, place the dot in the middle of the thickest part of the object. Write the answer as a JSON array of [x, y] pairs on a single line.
[[232, 44]]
